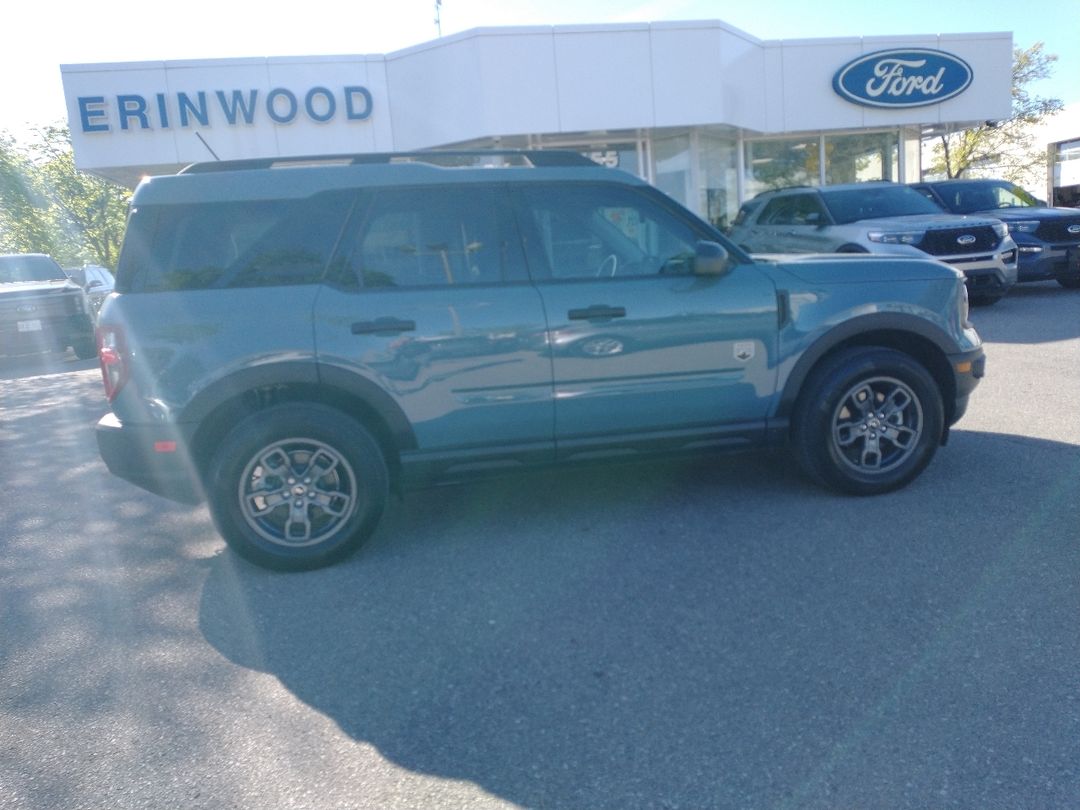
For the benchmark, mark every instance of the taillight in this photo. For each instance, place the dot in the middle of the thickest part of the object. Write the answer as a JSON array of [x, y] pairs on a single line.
[[113, 356]]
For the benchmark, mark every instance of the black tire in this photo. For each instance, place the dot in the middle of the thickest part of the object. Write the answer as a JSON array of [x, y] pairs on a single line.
[[297, 486], [985, 299], [852, 249], [1069, 282], [842, 443], [85, 348]]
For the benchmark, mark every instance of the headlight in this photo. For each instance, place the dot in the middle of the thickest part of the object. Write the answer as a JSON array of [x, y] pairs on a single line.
[[896, 237], [965, 307], [1027, 226]]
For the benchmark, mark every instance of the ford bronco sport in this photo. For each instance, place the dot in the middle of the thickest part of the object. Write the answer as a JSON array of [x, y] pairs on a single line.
[[292, 338]]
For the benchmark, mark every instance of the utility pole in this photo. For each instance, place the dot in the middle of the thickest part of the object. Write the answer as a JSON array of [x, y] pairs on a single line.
[[438, 16]]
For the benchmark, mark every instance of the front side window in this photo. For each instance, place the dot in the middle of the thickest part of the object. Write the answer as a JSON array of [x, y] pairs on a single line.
[[581, 231]]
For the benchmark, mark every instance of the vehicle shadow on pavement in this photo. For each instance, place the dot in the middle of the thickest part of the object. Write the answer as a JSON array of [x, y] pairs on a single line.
[[703, 634], [1011, 321], [35, 365]]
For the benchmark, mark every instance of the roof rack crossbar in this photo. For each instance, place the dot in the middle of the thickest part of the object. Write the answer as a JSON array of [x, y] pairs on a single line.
[[439, 157]]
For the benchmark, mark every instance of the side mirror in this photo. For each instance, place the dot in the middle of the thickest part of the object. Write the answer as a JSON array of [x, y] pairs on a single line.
[[710, 259]]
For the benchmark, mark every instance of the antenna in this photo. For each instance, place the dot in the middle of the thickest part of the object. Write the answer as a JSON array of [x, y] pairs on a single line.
[[204, 143], [438, 16]]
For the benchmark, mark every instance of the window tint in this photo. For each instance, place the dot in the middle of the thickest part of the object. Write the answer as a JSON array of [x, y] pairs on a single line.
[[595, 231], [434, 236], [29, 267], [875, 201], [239, 244], [967, 198], [794, 209]]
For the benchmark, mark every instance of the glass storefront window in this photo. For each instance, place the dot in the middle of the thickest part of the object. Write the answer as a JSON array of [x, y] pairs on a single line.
[[857, 158], [719, 182], [673, 162], [779, 163]]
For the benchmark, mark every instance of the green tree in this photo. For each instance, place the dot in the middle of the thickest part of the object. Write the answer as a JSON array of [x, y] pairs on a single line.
[[90, 211], [51, 207], [1008, 146], [24, 217]]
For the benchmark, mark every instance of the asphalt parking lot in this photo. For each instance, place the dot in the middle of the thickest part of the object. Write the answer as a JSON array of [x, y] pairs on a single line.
[[703, 634]]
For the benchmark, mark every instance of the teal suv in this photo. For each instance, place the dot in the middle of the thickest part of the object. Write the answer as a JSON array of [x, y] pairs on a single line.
[[292, 339]]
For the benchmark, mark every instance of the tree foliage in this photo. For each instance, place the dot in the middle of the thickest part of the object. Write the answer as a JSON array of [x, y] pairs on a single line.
[[1006, 146], [49, 206]]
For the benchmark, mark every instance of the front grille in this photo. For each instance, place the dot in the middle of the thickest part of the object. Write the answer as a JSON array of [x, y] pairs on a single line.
[[1058, 230], [945, 242]]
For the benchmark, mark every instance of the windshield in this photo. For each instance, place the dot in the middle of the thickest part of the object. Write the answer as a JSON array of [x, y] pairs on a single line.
[[875, 202], [29, 268], [965, 198]]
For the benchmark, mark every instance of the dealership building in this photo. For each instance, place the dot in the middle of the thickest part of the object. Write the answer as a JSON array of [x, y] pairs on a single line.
[[706, 112]]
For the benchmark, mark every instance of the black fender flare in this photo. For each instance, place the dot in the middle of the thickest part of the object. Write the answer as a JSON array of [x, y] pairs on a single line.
[[330, 385], [862, 329]]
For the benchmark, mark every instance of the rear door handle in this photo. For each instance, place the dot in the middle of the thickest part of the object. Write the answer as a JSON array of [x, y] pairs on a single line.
[[383, 326], [597, 312]]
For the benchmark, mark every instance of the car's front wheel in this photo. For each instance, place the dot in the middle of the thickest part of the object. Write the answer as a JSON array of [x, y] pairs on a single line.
[[297, 486], [868, 421]]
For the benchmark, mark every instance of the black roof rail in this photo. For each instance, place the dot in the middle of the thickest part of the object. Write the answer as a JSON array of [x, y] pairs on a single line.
[[446, 158], [780, 188]]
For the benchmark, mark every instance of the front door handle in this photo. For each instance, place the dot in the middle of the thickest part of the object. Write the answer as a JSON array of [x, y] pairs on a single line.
[[596, 312], [383, 326]]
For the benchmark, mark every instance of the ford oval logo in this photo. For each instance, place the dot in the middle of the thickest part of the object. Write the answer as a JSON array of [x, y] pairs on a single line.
[[903, 78], [1074, 229], [966, 239]]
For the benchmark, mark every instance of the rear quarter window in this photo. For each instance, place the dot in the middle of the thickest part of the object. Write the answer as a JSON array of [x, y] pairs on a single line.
[[232, 244]]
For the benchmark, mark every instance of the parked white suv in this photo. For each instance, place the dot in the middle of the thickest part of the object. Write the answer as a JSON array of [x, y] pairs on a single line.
[[879, 217]]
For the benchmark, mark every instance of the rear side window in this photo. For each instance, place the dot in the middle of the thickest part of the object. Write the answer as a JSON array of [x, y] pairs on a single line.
[[232, 244], [793, 209], [433, 236]]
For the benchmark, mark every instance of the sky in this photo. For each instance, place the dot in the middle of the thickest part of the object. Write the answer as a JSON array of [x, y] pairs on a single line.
[[42, 36]]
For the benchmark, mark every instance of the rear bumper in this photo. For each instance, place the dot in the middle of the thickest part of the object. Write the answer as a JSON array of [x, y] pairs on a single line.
[[49, 334], [154, 457]]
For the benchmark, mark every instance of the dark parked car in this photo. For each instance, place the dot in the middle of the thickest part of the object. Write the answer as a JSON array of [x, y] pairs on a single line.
[[1048, 238], [291, 340], [41, 309]]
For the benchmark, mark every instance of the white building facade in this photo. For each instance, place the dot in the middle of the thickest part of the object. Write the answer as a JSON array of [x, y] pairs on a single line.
[[706, 112]]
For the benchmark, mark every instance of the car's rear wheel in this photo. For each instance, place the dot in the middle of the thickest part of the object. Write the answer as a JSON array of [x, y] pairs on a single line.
[[85, 348], [297, 486], [868, 421], [1069, 282]]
